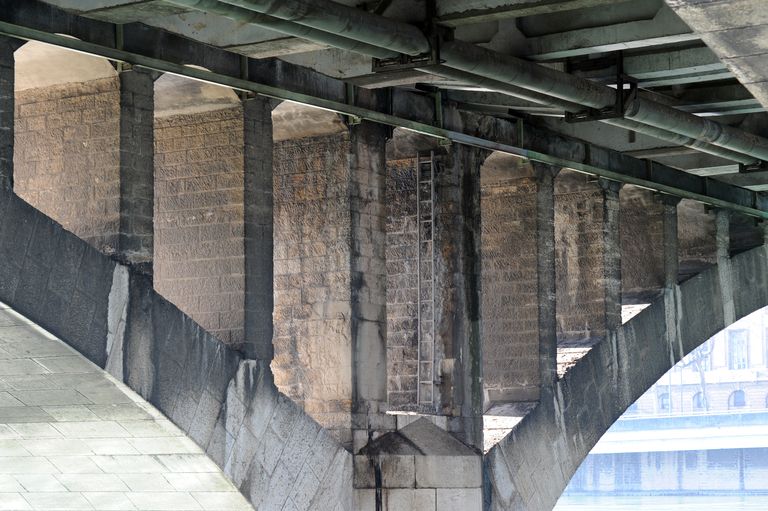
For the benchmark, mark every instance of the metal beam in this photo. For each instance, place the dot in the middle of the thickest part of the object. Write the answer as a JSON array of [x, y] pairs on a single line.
[[660, 64], [343, 21], [536, 144], [757, 181], [454, 13], [492, 66], [686, 78], [286, 27], [664, 28]]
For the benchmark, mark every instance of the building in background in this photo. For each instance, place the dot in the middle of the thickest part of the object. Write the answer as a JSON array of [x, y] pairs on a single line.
[[702, 428]]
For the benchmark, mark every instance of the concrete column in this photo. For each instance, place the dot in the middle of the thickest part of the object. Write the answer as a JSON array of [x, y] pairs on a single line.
[[611, 253], [258, 228], [136, 235], [7, 47], [545, 268], [457, 283]]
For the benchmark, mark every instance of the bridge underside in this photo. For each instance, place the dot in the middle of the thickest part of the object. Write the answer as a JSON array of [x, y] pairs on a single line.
[[433, 285]]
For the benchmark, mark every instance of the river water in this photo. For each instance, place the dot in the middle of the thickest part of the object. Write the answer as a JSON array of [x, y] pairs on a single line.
[[661, 503]]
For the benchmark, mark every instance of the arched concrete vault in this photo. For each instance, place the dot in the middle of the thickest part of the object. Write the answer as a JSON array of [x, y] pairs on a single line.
[[40, 65], [530, 468], [176, 95]]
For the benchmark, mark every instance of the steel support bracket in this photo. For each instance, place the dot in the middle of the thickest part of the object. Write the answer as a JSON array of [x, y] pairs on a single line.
[[623, 98], [746, 168], [403, 62]]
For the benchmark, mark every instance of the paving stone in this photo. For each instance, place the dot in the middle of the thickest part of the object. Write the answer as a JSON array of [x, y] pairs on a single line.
[[40, 483], [165, 501], [50, 397], [57, 501], [109, 501], [71, 413], [13, 502], [21, 366], [12, 448], [68, 364], [92, 482], [71, 438]]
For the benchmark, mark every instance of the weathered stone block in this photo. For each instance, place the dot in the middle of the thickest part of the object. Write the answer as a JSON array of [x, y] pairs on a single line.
[[448, 471], [415, 500], [466, 499]]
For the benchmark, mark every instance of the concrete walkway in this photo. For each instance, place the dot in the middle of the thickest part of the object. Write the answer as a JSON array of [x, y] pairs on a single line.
[[73, 438]]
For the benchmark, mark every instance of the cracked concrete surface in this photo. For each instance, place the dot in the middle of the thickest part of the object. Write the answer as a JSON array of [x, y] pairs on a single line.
[[73, 438]]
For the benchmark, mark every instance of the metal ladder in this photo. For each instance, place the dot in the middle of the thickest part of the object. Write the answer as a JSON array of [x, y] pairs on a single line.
[[425, 257]]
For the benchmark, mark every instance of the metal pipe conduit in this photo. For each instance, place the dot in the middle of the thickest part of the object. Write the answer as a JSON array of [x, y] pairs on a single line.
[[349, 22], [674, 182], [285, 27], [568, 106], [343, 21], [476, 60]]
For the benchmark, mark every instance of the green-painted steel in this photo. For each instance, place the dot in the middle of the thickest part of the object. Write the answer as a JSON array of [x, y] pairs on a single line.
[[569, 106], [285, 27], [349, 22], [687, 186], [344, 21], [476, 60]]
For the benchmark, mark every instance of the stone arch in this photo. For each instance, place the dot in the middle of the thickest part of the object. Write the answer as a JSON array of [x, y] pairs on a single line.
[[550, 442], [42, 65], [66, 158]]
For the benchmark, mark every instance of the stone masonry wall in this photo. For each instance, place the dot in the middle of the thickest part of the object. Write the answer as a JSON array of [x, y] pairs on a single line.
[[579, 259], [199, 251], [402, 282], [642, 242], [696, 231], [510, 287], [312, 340], [67, 156]]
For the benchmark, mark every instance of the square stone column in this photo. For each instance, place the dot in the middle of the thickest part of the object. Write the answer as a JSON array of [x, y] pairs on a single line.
[[642, 242], [696, 231], [137, 168], [7, 78], [330, 279], [258, 228], [518, 299], [458, 344], [670, 241], [588, 260]]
